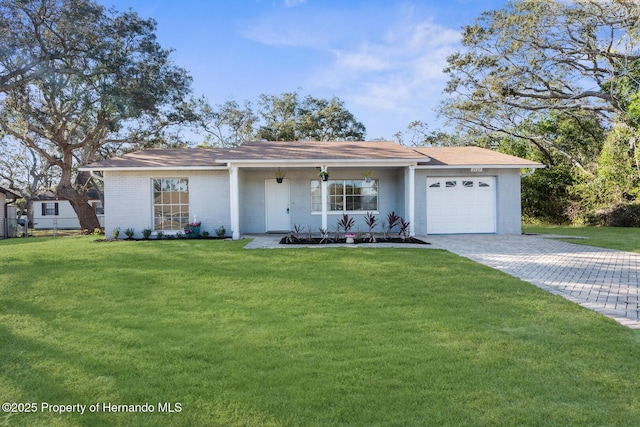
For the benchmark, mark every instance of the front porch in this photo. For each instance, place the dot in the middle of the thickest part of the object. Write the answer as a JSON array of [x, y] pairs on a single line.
[[260, 204]]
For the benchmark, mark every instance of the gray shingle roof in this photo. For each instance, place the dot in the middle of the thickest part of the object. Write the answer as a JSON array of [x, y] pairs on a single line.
[[300, 151], [10, 194], [163, 158], [470, 156]]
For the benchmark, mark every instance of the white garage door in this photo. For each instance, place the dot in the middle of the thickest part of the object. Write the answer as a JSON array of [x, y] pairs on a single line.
[[461, 205]]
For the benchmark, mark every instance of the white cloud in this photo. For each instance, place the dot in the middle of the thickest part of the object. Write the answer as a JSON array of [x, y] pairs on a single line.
[[293, 3], [385, 63], [401, 70]]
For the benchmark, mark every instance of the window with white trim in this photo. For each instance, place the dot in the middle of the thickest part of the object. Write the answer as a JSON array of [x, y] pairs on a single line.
[[98, 208], [50, 209], [170, 203], [346, 196]]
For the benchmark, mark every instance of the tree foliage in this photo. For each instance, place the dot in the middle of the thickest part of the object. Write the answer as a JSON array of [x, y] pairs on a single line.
[[24, 171], [543, 55], [285, 117], [228, 124], [553, 75], [79, 81]]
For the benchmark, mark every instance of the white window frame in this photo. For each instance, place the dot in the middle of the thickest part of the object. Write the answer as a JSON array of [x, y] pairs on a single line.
[[374, 183], [50, 209], [179, 205], [98, 208]]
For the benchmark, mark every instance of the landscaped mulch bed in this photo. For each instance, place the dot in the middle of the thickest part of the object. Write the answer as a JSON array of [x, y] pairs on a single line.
[[163, 238], [292, 240]]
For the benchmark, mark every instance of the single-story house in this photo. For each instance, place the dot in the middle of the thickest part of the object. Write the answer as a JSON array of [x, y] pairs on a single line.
[[439, 190], [7, 223], [51, 212]]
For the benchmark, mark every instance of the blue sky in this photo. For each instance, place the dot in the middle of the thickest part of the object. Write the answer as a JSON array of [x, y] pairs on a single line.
[[383, 58]]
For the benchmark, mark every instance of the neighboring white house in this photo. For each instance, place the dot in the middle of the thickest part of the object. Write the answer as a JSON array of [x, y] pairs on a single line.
[[7, 216], [439, 190], [50, 212]]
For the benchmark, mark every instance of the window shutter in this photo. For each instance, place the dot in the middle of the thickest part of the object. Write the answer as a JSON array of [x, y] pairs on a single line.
[[56, 205], [44, 208]]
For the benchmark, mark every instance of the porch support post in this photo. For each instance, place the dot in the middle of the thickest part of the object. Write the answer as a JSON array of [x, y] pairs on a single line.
[[323, 195], [234, 196], [411, 199]]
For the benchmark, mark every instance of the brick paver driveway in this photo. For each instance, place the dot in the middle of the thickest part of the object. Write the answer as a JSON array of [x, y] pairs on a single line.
[[603, 280]]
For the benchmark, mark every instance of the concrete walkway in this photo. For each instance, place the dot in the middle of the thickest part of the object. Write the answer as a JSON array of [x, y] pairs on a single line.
[[602, 280]]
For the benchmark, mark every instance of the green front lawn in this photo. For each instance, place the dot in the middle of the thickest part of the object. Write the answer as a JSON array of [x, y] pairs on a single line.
[[621, 238], [299, 337]]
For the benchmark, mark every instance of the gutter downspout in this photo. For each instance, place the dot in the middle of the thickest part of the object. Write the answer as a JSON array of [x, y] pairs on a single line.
[[526, 174]]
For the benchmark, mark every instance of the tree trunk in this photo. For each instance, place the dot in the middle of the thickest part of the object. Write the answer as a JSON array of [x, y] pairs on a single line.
[[77, 198], [86, 214]]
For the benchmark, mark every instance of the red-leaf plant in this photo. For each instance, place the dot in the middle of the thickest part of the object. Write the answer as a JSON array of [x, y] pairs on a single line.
[[371, 222], [404, 229], [392, 220], [346, 223]]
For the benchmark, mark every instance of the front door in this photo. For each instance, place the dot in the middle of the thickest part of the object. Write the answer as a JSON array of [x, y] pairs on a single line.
[[277, 205]]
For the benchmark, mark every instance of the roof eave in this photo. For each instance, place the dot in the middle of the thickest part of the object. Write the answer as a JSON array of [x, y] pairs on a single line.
[[318, 162], [481, 166], [9, 194], [148, 168]]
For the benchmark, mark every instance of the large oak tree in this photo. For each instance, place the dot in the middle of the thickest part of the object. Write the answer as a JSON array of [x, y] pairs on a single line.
[[78, 81], [285, 117], [558, 80], [532, 58]]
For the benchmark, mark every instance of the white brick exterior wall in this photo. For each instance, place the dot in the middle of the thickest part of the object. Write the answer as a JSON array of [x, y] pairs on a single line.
[[128, 199]]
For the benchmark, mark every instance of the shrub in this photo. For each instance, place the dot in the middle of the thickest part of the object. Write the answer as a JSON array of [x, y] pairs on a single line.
[[129, 232], [220, 231], [146, 233], [622, 215]]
